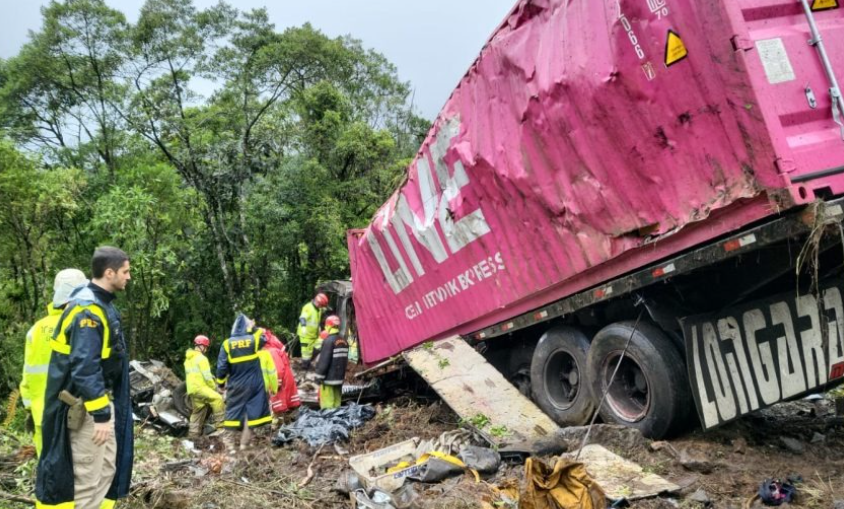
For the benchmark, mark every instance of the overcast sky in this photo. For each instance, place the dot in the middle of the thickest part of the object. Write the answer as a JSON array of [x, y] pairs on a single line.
[[431, 42]]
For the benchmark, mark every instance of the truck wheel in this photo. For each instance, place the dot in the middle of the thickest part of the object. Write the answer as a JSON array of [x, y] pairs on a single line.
[[182, 401], [651, 389], [558, 376], [518, 369]]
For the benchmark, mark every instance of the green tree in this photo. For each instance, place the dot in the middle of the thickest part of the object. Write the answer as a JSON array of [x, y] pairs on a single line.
[[62, 90], [238, 201], [36, 237]]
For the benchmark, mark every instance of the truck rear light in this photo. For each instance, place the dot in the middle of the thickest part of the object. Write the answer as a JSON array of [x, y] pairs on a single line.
[[668, 269], [603, 292], [734, 244]]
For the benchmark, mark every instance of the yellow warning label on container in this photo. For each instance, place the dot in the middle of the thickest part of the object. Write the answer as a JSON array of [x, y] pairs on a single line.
[[675, 50], [822, 5]]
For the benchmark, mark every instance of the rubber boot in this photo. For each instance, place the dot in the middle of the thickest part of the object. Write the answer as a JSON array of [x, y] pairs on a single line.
[[217, 421], [230, 438], [245, 437], [197, 423]]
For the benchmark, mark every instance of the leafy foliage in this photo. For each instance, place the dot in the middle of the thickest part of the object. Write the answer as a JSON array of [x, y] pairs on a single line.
[[238, 201]]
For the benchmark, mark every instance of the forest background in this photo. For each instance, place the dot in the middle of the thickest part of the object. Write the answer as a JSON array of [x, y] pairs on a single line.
[[234, 201]]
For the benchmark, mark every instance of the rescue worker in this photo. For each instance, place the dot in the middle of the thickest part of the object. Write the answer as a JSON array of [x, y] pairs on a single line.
[[88, 447], [241, 371], [37, 350], [308, 330], [270, 372], [287, 396], [201, 388], [331, 366]]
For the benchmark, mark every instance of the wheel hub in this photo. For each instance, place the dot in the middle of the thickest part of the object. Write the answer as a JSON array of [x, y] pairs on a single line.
[[640, 382], [629, 395], [562, 379]]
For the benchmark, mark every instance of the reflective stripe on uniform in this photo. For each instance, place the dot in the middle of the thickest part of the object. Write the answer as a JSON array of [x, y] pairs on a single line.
[[250, 357], [62, 348], [262, 420], [60, 344], [232, 424], [108, 504], [38, 369], [97, 404]]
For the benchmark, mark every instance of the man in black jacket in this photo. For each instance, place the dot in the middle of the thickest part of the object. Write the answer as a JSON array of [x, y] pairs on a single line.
[[331, 366], [87, 452]]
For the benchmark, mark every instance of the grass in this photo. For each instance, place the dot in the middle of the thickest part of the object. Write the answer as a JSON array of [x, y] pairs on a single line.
[[17, 475], [478, 420], [817, 492], [499, 431], [658, 467]]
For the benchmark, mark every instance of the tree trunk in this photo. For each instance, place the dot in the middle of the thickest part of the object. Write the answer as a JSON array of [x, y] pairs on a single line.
[[210, 220]]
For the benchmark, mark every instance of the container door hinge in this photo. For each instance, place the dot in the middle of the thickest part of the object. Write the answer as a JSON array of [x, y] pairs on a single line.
[[785, 166], [834, 89], [741, 42]]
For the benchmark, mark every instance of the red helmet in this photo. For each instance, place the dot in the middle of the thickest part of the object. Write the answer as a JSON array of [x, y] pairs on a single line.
[[321, 300], [202, 340], [332, 321]]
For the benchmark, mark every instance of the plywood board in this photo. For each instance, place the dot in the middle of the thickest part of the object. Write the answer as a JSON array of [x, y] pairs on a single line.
[[621, 478], [479, 393]]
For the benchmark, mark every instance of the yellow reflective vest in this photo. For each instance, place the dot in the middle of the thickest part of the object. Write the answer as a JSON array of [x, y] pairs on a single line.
[[197, 372], [268, 368], [269, 371], [36, 363], [308, 330]]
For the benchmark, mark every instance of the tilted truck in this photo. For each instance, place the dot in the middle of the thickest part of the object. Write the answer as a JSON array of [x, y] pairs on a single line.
[[663, 172]]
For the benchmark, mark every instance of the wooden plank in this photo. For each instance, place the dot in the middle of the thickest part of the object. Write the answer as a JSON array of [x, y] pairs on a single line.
[[619, 477], [479, 393]]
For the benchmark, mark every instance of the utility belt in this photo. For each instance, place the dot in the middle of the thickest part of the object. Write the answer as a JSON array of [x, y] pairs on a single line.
[[77, 410]]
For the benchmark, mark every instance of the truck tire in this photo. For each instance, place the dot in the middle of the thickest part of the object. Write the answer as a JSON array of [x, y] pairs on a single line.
[[651, 390], [558, 376], [518, 369], [181, 400]]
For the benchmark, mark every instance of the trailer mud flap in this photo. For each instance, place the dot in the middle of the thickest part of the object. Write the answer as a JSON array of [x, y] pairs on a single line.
[[480, 394], [752, 356]]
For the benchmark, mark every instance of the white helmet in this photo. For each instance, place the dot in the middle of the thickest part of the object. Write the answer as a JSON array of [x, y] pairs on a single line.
[[66, 281]]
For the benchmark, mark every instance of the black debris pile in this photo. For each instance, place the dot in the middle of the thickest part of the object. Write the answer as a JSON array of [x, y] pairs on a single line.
[[319, 427]]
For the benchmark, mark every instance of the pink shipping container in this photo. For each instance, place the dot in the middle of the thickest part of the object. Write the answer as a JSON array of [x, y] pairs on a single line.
[[590, 139]]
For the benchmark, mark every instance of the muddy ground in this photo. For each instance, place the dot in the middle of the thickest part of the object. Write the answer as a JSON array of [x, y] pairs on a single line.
[[725, 466]]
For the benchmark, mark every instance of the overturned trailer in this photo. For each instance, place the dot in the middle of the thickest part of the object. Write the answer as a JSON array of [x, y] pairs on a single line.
[[654, 177]]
